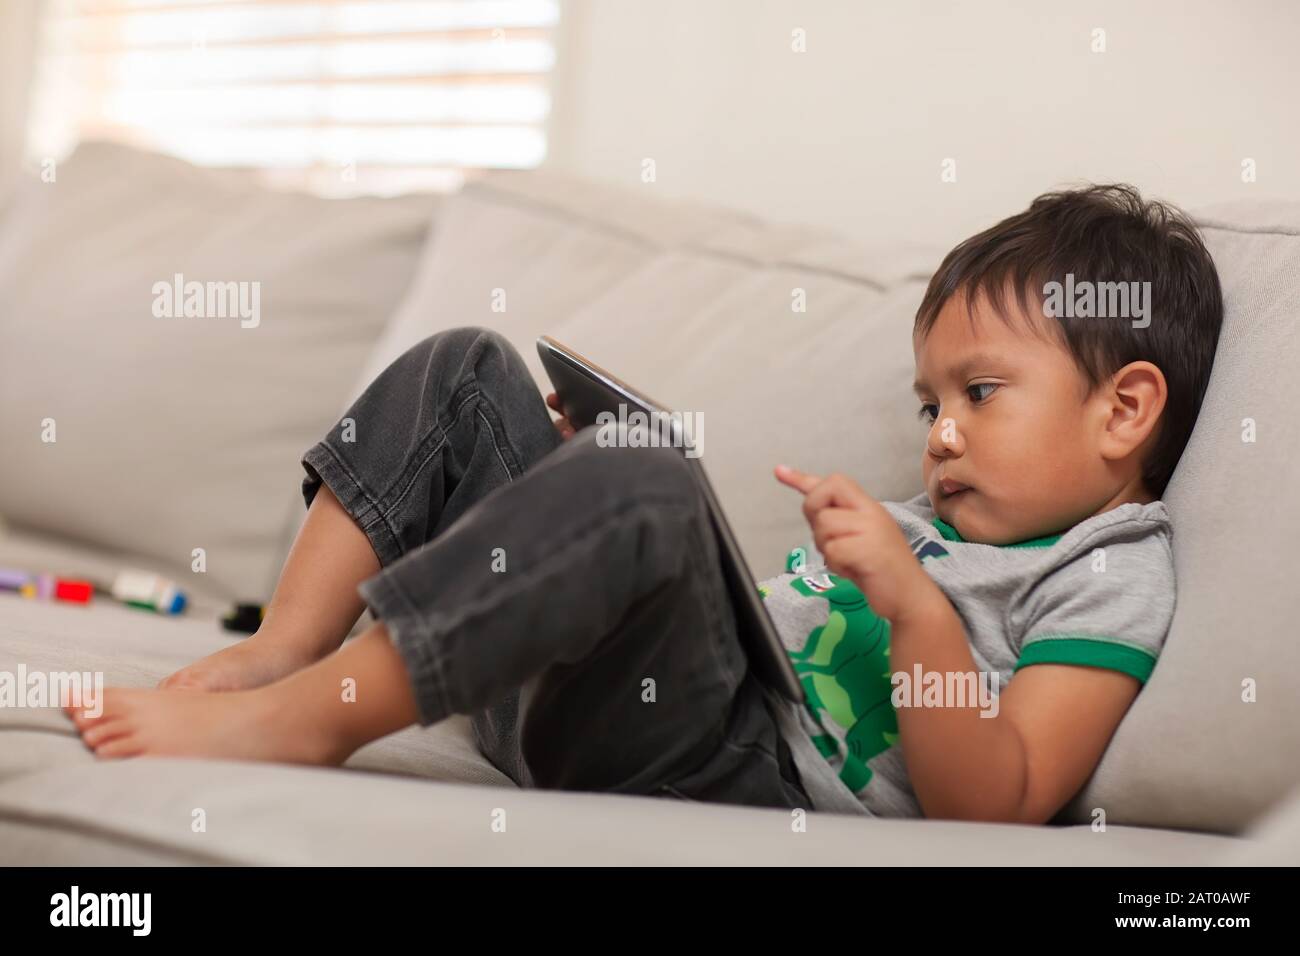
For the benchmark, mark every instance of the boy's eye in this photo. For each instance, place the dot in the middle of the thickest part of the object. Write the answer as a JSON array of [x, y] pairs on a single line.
[[929, 412]]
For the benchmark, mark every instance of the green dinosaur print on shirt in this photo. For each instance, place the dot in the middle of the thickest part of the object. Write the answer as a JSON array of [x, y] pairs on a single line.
[[844, 668]]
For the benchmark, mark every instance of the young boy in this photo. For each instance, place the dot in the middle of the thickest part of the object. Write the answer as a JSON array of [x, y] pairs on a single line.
[[567, 594]]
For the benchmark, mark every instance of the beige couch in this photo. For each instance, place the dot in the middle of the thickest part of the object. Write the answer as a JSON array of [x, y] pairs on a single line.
[[183, 434]]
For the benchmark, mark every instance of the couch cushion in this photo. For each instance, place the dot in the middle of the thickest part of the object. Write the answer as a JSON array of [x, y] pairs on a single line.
[[825, 390], [1273, 839], [696, 306], [522, 252], [1191, 752], [133, 648], [59, 805], [35, 553], [181, 433], [140, 811]]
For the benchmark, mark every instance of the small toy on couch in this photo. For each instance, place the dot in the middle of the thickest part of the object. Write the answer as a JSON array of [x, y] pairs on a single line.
[[45, 587], [134, 588]]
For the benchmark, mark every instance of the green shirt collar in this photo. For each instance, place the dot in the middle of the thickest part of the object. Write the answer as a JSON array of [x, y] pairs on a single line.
[[1046, 541]]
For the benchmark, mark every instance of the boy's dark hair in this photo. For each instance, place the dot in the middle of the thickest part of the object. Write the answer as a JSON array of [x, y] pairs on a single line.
[[1104, 233]]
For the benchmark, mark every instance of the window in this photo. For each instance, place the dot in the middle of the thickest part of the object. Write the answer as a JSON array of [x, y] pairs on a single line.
[[338, 96]]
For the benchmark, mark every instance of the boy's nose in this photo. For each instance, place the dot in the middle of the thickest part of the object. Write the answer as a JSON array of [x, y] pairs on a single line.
[[945, 439]]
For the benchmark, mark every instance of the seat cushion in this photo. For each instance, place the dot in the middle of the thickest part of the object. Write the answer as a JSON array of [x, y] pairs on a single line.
[[421, 796], [134, 648]]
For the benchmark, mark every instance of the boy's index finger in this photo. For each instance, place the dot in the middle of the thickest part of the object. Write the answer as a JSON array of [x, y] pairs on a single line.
[[796, 479], [846, 492]]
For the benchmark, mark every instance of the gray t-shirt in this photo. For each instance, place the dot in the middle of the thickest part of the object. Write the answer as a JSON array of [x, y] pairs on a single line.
[[1100, 594]]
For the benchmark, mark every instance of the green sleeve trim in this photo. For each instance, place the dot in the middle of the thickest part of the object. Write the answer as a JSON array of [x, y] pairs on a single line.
[[1089, 652]]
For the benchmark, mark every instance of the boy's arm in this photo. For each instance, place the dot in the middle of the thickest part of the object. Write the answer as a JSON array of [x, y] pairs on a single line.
[[1052, 726], [1053, 722]]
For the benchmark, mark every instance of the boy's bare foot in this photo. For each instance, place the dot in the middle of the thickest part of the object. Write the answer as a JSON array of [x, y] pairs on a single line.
[[303, 718], [259, 660], [244, 725]]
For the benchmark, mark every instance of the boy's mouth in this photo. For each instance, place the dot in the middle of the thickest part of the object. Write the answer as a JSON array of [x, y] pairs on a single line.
[[948, 487]]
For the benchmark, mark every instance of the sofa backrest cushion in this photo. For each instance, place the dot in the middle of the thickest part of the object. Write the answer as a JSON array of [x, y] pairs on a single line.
[[1213, 740], [792, 344], [176, 433]]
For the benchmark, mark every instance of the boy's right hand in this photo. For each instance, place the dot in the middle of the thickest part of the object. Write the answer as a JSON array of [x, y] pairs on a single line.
[[562, 424]]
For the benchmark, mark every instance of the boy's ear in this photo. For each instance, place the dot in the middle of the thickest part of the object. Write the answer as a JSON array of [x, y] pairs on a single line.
[[1136, 399]]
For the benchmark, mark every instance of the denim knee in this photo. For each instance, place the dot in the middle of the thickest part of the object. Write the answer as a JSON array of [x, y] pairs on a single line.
[[659, 470], [461, 338]]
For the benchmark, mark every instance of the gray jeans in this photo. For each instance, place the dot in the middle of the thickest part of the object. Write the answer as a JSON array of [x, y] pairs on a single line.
[[567, 596]]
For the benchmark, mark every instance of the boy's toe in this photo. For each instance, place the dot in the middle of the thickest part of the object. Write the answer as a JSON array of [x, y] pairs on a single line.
[[102, 733], [77, 713], [125, 745]]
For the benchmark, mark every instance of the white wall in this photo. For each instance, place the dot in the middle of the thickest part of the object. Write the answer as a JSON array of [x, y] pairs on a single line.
[[17, 41], [851, 133]]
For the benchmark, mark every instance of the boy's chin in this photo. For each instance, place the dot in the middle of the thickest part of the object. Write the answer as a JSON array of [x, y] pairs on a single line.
[[951, 508], [961, 512]]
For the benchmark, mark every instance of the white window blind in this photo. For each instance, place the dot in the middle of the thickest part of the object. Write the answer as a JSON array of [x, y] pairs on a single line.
[[335, 95]]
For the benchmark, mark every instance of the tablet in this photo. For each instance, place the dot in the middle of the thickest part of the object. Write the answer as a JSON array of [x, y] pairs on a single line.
[[585, 390]]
